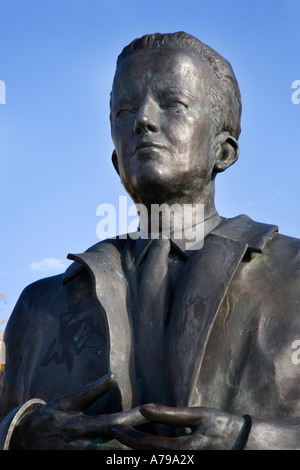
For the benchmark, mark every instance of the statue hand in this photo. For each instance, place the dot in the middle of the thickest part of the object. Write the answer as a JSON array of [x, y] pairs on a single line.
[[62, 424], [210, 429]]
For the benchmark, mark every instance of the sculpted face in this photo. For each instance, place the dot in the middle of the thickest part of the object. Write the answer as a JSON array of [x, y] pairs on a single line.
[[160, 122]]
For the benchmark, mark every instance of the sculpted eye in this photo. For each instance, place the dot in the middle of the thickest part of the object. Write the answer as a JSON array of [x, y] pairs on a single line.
[[174, 104], [123, 112]]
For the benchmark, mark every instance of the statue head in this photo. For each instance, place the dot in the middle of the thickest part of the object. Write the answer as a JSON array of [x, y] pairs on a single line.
[[224, 94], [152, 68]]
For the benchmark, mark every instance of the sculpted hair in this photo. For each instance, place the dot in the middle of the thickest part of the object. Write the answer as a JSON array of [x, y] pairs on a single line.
[[224, 95]]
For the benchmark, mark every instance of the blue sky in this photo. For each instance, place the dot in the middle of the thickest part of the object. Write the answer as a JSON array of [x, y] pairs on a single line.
[[57, 60]]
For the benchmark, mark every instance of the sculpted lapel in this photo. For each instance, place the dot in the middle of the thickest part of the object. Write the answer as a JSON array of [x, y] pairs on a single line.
[[110, 284], [204, 284], [205, 280]]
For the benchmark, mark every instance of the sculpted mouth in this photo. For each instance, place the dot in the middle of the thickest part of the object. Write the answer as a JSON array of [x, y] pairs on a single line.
[[149, 144]]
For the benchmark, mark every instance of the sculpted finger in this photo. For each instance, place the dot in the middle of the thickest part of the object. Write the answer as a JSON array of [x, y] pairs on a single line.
[[130, 418], [86, 396], [174, 416], [101, 425], [141, 441]]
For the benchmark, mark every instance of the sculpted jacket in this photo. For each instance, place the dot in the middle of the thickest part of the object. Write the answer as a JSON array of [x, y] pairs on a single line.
[[228, 344]]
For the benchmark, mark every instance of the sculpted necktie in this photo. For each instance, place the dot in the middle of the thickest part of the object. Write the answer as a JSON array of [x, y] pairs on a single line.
[[150, 321]]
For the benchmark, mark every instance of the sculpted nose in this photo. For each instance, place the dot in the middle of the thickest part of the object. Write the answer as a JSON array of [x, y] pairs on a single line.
[[147, 118]]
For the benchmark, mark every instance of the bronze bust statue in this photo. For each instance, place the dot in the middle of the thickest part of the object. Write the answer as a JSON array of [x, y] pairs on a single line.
[[143, 343]]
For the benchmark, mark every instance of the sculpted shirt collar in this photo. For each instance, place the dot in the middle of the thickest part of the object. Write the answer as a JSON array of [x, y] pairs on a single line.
[[185, 242], [241, 228]]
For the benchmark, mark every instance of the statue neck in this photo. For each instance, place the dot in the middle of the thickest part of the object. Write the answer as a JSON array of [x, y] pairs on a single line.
[[177, 214]]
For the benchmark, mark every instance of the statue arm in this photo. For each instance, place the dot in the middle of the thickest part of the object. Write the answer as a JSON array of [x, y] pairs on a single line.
[[211, 429], [11, 377], [12, 408], [274, 435], [61, 423]]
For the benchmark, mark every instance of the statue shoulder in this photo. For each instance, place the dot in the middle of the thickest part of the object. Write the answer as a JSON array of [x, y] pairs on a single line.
[[284, 248], [37, 296], [23, 316]]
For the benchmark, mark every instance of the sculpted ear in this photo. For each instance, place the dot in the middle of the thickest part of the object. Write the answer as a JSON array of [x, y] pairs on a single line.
[[226, 152], [114, 159]]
